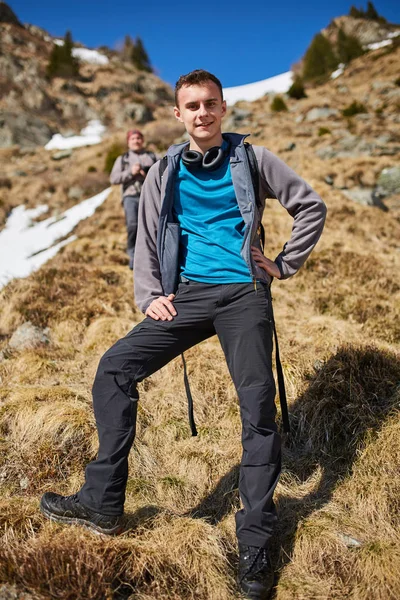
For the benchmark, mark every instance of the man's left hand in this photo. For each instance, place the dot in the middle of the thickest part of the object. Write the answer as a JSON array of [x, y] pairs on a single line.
[[265, 263]]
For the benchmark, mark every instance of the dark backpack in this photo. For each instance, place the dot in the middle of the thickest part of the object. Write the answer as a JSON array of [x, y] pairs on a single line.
[[255, 177]]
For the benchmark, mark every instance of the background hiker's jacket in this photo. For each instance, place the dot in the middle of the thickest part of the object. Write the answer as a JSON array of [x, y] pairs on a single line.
[[121, 172], [156, 268]]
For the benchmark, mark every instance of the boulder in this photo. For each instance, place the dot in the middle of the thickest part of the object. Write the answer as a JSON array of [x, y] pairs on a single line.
[[389, 182], [62, 154], [28, 336], [365, 196], [23, 129], [321, 113]]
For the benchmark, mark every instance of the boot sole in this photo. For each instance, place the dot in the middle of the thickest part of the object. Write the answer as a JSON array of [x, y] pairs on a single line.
[[88, 524], [251, 594]]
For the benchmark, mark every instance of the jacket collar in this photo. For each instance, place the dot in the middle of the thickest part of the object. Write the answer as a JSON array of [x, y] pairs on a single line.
[[235, 139]]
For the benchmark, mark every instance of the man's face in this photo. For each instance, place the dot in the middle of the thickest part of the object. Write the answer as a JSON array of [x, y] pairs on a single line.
[[135, 142], [201, 110]]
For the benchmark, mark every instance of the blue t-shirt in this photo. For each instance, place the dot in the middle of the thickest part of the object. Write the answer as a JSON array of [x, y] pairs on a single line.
[[212, 227]]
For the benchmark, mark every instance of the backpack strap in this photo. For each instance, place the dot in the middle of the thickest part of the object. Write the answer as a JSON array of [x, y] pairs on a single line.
[[163, 165], [255, 177], [125, 160]]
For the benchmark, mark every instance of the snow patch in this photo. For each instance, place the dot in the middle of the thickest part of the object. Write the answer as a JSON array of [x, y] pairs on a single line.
[[90, 56], [25, 245], [338, 71], [252, 91], [377, 45], [84, 54], [90, 135]]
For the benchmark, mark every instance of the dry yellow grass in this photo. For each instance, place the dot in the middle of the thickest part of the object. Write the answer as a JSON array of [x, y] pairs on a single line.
[[338, 498]]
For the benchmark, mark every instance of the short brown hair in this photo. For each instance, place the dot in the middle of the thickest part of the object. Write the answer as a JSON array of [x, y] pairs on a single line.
[[197, 77]]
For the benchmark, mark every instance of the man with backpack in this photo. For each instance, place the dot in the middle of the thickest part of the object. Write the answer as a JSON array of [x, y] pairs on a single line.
[[199, 271], [130, 170]]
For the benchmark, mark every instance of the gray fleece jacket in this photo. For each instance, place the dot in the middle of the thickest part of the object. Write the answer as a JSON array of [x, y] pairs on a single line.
[[131, 185], [156, 267]]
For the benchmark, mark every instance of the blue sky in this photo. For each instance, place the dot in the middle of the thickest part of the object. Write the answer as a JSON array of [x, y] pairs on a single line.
[[241, 42]]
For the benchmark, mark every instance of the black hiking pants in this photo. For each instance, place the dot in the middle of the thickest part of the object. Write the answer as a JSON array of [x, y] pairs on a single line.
[[241, 317]]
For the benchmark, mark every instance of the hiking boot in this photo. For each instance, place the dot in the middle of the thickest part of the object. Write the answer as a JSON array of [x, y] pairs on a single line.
[[68, 509], [255, 573]]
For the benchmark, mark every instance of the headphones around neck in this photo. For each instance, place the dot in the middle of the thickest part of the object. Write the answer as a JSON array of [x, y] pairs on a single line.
[[210, 160]]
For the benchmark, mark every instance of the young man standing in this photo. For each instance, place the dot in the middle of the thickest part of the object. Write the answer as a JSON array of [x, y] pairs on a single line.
[[130, 171], [200, 271]]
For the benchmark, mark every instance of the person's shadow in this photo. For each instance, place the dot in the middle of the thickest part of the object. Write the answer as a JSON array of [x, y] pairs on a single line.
[[347, 396]]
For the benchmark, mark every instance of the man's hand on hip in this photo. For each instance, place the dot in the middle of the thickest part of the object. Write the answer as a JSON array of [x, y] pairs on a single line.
[[265, 263], [161, 308]]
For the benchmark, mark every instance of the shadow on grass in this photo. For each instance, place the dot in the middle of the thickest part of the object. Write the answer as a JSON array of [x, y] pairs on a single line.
[[350, 395]]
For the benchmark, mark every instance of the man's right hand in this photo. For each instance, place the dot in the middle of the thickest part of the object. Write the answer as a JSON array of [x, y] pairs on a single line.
[[137, 170], [161, 308]]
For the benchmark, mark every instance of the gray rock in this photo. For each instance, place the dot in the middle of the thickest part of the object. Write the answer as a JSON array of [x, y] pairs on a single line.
[[349, 541], [140, 113], [23, 129], [11, 592], [27, 336], [75, 192], [393, 94], [23, 483], [62, 154], [389, 182], [321, 113], [236, 118], [383, 87], [299, 119], [68, 133], [364, 196], [343, 89]]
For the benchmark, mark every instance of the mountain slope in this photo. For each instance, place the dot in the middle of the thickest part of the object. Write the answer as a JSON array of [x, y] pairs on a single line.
[[338, 324]]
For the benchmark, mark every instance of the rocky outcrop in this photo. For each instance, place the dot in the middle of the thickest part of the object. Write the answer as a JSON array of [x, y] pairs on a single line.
[[367, 31], [23, 129], [115, 93]]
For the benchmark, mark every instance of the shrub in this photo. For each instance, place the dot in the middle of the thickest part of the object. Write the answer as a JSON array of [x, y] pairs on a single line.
[[320, 59], [296, 90], [355, 108], [323, 131], [112, 155], [397, 81], [92, 169], [278, 104], [62, 63], [348, 47]]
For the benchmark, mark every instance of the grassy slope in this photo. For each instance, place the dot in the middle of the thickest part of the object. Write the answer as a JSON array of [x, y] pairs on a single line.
[[338, 498]]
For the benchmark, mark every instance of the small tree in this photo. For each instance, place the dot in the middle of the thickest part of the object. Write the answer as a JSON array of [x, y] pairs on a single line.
[[320, 59], [62, 63], [297, 90], [348, 47], [371, 12], [278, 104], [140, 57], [127, 48], [357, 13]]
